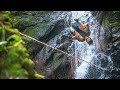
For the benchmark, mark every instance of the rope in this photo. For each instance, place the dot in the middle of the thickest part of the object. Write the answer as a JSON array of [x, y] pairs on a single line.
[[105, 69], [44, 44]]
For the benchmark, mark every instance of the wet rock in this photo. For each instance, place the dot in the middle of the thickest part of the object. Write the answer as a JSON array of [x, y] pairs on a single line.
[[48, 27], [52, 59], [116, 58], [110, 21], [101, 60], [41, 25]]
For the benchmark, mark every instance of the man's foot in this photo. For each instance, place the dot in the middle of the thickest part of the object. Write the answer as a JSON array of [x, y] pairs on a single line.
[[72, 30], [77, 18]]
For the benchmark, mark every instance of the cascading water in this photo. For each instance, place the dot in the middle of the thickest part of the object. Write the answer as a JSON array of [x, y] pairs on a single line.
[[88, 53]]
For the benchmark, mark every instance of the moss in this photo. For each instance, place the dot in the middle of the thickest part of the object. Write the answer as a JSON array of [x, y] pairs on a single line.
[[111, 19], [31, 23], [32, 31], [105, 22]]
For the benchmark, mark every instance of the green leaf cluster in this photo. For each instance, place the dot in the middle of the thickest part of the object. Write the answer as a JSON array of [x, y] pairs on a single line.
[[15, 62]]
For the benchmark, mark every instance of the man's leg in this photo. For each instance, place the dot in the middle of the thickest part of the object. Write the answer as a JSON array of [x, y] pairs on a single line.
[[72, 31], [78, 36]]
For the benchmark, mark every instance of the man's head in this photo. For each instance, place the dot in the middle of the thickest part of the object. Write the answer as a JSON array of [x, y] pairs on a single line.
[[89, 40]]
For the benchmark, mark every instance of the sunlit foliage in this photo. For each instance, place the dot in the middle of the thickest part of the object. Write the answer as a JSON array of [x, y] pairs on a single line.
[[15, 62]]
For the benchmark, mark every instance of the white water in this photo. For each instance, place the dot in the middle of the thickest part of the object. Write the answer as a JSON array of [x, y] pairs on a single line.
[[82, 49]]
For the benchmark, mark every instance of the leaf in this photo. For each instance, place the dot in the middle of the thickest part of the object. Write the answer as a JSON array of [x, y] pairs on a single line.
[[38, 76], [3, 42], [17, 71], [16, 37], [0, 28], [18, 43], [2, 45], [6, 14]]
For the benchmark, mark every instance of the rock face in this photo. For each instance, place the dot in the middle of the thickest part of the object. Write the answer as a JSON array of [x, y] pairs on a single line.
[[103, 33], [53, 59], [48, 27], [110, 21]]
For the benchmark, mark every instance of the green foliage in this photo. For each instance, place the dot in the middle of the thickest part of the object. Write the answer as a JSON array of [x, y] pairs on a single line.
[[112, 19], [14, 58], [39, 76]]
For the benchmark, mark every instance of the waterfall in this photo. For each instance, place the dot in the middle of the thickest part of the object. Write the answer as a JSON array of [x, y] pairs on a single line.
[[88, 53]]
